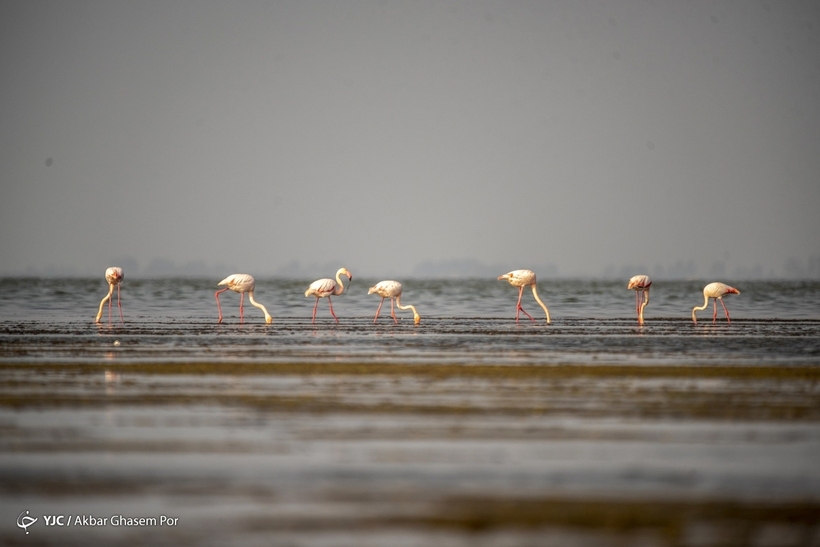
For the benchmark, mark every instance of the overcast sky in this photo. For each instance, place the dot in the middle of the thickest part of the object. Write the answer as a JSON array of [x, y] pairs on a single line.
[[403, 138]]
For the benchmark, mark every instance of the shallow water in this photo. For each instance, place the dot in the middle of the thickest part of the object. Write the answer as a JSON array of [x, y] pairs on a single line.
[[467, 429], [160, 299], [175, 320], [435, 340]]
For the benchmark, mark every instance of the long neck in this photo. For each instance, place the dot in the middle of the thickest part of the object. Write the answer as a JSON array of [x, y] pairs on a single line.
[[643, 305], [103, 301], [340, 288], [268, 318], [416, 316], [535, 294], [705, 303]]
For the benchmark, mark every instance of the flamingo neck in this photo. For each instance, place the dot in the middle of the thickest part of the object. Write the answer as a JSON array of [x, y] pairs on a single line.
[[643, 305], [535, 294], [340, 288], [268, 318], [105, 299], [416, 316], [695, 309]]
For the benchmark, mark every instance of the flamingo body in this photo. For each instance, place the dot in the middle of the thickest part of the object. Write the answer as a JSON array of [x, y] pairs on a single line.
[[640, 284], [521, 279], [114, 277], [241, 283], [716, 291], [325, 288], [392, 290]]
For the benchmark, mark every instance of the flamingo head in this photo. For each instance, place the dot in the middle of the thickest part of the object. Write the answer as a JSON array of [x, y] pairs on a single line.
[[343, 271], [114, 275]]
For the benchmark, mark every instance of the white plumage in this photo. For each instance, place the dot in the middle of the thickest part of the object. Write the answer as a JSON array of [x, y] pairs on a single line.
[[392, 290], [716, 291], [241, 283], [521, 279], [325, 288]]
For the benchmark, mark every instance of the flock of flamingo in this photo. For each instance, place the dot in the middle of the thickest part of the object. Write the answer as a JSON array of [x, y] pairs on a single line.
[[325, 288]]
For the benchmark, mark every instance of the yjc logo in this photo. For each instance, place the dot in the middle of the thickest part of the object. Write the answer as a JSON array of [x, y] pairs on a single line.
[[25, 521]]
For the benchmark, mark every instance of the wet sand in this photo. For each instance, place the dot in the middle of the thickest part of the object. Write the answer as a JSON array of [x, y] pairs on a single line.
[[411, 454]]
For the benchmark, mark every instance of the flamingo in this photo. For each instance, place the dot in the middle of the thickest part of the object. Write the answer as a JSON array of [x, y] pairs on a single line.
[[322, 288], [521, 279], [392, 290], [640, 284], [114, 277], [241, 283], [717, 291]]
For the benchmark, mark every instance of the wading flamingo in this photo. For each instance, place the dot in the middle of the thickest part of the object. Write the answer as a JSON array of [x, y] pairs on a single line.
[[322, 288], [521, 279], [114, 277], [717, 291], [392, 290], [241, 283], [640, 284]]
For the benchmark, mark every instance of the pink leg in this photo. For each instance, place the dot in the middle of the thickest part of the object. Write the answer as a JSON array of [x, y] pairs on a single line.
[[518, 306], [218, 307], [724, 311], [119, 305], [316, 305], [329, 301], [638, 302], [241, 307], [393, 312], [379, 310], [714, 315]]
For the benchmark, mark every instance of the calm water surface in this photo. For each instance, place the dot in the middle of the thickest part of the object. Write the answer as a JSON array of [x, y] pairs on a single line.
[[462, 321]]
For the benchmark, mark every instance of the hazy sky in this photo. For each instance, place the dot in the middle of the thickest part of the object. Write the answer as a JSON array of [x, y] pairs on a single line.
[[404, 138]]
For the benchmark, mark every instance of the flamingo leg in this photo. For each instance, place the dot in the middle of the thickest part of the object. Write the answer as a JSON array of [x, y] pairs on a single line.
[[714, 315], [316, 305], [329, 301], [518, 306], [638, 302], [378, 310], [119, 305], [724, 310], [393, 312], [241, 307], [218, 307]]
